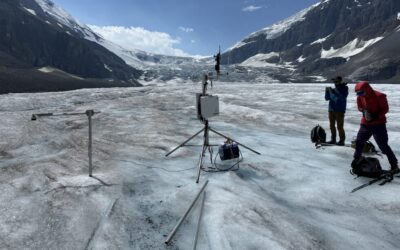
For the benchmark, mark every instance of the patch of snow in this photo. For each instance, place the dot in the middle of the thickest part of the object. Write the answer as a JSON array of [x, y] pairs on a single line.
[[301, 59], [48, 22], [47, 69], [281, 27], [259, 60], [352, 48], [51, 70], [64, 18], [299, 45], [59, 25], [289, 66], [30, 11], [321, 40], [239, 44], [322, 3], [398, 16], [58, 13], [319, 78], [107, 67]]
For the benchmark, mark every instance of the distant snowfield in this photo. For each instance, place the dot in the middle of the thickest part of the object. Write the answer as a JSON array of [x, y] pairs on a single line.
[[321, 40], [352, 48], [51, 70], [279, 28], [259, 61], [293, 196], [30, 11]]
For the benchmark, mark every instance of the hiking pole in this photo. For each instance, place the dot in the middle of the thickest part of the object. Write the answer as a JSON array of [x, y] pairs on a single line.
[[384, 176], [199, 221], [366, 184], [186, 213]]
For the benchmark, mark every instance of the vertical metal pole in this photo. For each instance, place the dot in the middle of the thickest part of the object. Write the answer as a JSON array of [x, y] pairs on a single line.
[[204, 89], [206, 133], [186, 213], [89, 114], [199, 221]]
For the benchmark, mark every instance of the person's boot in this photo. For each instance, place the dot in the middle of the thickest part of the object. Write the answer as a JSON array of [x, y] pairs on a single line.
[[394, 169], [331, 142], [340, 143]]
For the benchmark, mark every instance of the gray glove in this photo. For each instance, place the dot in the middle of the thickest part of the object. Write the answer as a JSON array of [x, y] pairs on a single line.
[[367, 115]]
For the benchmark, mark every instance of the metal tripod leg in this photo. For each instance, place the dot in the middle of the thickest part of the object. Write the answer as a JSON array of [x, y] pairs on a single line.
[[226, 137], [202, 155], [211, 153], [182, 144], [186, 213]]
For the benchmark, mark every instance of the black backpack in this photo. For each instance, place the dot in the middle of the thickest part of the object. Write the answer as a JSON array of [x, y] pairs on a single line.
[[318, 135], [366, 166]]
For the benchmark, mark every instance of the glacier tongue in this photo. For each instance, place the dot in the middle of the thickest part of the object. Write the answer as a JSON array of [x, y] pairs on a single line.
[[290, 197]]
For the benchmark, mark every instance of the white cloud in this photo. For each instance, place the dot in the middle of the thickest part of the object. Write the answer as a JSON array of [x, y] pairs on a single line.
[[140, 38], [187, 30], [251, 8]]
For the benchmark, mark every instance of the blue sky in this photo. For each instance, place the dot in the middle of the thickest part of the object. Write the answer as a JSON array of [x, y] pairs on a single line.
[[194, 27]]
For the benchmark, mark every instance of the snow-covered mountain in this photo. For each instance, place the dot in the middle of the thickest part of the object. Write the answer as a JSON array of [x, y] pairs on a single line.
[[355, 38], [39, 34]]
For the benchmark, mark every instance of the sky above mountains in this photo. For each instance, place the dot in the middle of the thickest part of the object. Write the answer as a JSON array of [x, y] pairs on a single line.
[[180, 27]]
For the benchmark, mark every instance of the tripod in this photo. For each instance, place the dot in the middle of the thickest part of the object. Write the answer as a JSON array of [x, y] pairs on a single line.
[[206, 142]]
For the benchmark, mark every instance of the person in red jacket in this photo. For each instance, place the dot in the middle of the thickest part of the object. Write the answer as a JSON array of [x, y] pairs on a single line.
[[374, 106]]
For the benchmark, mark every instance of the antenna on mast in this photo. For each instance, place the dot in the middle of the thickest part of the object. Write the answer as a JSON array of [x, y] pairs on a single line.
[[218, 61]]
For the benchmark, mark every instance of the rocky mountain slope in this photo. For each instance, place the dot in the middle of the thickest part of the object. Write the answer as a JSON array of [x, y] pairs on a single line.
[[356, 38], [38, 34]]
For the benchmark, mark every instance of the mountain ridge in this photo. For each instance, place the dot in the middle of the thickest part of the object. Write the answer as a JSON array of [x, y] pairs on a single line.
[[330, 26], [34, 39]]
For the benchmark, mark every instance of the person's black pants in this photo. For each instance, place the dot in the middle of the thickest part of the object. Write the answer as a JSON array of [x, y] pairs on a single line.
[[379, 132]]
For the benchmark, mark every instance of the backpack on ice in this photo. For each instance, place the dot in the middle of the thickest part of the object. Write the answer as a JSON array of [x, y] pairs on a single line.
[[366, 166], [318, 135]]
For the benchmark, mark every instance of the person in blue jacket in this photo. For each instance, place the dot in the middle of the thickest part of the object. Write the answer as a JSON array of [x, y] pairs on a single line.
[[337, 98]]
